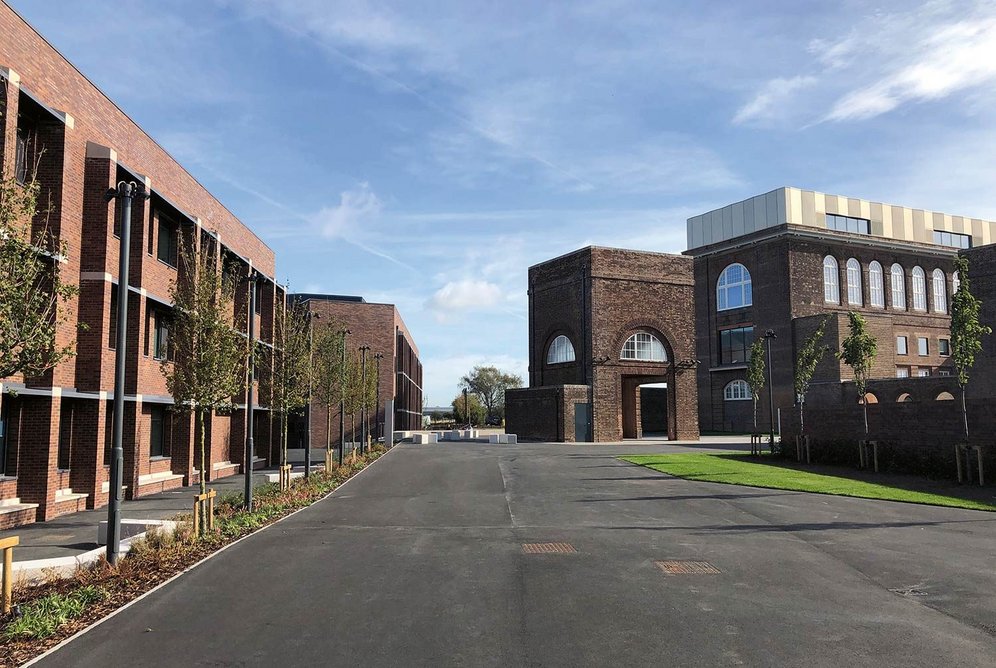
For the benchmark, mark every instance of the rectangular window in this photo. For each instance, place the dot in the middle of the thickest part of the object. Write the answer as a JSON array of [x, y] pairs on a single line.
[[902, 372], [952, 239], [65, 436], [734, 345], [922, 348], [167, 241], [22, 163], [944, 347], [160, 348], [848, 224], [901, 346], [157, 433], [108, 432], [259, 295], [112, 323], [922, 373]]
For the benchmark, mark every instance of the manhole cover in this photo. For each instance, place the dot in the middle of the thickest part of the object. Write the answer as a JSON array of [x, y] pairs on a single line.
[[548, 548], [687, 567]]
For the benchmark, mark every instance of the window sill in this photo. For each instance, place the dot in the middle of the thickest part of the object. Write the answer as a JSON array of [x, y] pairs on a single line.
[[728, 367], [164, 262], [160, 458]]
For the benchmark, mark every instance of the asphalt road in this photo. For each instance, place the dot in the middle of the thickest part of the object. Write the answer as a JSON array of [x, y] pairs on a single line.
[[420, 562]]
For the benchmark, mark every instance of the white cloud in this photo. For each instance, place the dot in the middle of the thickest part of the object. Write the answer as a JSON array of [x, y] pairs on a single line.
[[465, 295], [771, 102], [357, 207]]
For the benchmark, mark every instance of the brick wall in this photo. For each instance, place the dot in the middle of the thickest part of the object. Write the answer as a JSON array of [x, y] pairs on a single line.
[[544, 413]]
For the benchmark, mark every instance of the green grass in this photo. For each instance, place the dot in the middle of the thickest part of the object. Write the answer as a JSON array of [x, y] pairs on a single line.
[[42, 617], [741, 469]]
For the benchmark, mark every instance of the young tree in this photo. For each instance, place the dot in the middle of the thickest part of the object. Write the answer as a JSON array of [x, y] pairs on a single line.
[[205, 364], [489, 384], [858, 351], [811, 353], [291, 367], [353, 391], [966, 331], [755, 373], [474, 408], [329, 371], [32, 293]]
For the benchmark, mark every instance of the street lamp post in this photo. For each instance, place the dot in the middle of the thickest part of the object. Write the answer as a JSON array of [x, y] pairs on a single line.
[[363, 398], [377, 424], [125, 193], [466, 410], [250, 450], [342, 396], [312, 316], [768, 335]]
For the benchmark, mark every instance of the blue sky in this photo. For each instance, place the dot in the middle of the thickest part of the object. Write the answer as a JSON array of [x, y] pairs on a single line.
[[426, 154]]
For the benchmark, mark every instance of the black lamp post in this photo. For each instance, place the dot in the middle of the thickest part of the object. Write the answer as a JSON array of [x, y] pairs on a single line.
[[768, 336], [377, 423], [125, 193], [466, 410], [250, 450], [363, 398], [342, 395]]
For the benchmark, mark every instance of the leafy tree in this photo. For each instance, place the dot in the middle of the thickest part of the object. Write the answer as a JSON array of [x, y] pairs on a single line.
[[755, 373], [474, 409], [858, 351], [966, 331], [206, 363], [811, 353], [329, 340], [352, 390], [489, 384], [288, 390]]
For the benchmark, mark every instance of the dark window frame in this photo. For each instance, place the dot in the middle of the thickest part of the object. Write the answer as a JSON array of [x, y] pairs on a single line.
[[922, 346], [728, 351], [158, 433], [945, 238], [160, 336], [905, 348], [841, 223], [944, 347], [167, 246]]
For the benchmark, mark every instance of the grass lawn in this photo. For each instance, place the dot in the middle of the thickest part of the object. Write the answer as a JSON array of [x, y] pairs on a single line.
[[742, 469]]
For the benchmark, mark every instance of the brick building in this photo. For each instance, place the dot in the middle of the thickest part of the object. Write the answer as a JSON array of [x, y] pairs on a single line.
[[787, 259], [380, 327], [616, 322], [55, 431]]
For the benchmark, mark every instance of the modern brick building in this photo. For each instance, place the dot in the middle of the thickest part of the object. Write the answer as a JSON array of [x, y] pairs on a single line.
[[785, 260], [380, 327], [55, 438], [610, 321]]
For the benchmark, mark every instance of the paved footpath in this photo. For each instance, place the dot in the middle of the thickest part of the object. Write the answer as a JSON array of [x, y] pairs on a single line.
[[419, 561]]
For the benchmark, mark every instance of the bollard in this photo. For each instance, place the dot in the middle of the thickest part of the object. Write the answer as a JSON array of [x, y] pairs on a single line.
[[201, 500], [755, 444], [7, 545]]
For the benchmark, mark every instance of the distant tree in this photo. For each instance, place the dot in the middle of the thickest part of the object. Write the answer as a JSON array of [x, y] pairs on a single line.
[[811, 353], [288, 390], [329, 339], [966, 331], [755, 373], [352, 390], [475, 409], [489, 384], [858, 351], [205, 363]]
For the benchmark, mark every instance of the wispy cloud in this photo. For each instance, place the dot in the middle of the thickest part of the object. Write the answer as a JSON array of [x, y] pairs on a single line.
[[774, 100]]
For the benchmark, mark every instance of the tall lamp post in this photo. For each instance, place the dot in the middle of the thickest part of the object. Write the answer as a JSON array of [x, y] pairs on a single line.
[[312, 316], [768, 335], [342, 395], [466, 410], [125, 193], [250, 450], [377, 423], [363, 395]]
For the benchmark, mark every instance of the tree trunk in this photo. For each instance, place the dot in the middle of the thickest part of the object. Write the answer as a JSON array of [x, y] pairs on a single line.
[[864, 411], [964, 412], [202, 529], [802, 423], [755, 413], [283, 438]]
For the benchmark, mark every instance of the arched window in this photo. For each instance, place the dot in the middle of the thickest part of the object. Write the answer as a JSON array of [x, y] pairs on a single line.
[[876, 286], [645, 347], [870, 398], [736, 390], [955, 283], [919, 290], [945, 396], [733, 290], [561, 350], [854, 283], [940, 291], [904, 398], [898, 287], [831, 280]]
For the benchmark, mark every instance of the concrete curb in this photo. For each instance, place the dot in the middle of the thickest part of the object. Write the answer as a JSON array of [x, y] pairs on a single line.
[[159, 586]]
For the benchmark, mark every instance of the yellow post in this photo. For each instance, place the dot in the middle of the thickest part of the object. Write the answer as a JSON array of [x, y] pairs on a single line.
[[7, 545]]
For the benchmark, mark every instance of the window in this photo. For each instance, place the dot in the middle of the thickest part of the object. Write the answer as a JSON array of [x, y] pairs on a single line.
[[902, 372], [955, 283], [901, 347], [922, 348], [259, 294], [898, 287], [943, 372], [65, 435], [923, 373], [952, 239], [22, 161], [112, 324], [644, 346], [831, 280], [160, 345], [940, 291], [157, 433], [854, 283], [848, 224], [737, 390], [876, 287], [734, 345], [560, 351], [919, 290], [944, 347], [733, 290], [167, 241]]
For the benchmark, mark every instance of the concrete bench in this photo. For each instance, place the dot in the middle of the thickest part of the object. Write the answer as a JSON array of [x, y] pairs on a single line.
[[503, 439], [422, 439]]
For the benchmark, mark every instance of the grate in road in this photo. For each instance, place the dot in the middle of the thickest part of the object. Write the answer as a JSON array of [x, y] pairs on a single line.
[[687, 568], [548, 548]]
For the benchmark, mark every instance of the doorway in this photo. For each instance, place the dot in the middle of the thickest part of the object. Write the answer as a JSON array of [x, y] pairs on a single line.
[[647, 408]]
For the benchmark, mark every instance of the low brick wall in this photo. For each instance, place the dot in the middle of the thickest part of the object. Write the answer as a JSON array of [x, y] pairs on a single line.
[[543, 413]]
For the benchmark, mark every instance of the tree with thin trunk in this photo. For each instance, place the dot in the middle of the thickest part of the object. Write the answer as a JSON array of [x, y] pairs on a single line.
[[206, 358], [292, 369], [489, 384], [755, 373], [329, 374], [966, 331], [811, 353], [858, 351], [353, 392]]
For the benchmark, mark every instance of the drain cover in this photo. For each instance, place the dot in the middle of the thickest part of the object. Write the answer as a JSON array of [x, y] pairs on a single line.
[[548, 548], [687, 567]]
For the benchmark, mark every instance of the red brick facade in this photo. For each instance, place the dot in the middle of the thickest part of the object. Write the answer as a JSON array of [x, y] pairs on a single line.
[[85, 145]]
